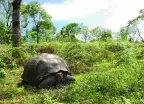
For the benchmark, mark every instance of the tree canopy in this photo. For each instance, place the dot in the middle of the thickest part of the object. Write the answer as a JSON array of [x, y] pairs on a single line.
[[34, 23]]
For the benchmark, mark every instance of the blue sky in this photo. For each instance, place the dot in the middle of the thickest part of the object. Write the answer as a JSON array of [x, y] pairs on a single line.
[[47, 1], [111, 14]]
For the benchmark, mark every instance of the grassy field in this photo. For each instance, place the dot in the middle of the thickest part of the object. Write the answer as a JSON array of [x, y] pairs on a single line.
[[105, 72]]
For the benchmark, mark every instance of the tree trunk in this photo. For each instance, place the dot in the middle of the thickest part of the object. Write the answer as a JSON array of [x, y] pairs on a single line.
[[16, 37], [37, 34], [140, 35], [37, 37]]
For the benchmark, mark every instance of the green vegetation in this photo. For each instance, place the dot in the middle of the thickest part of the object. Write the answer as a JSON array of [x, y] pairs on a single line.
[[42, 21], [108, 66], [37, 26], [112, 74]]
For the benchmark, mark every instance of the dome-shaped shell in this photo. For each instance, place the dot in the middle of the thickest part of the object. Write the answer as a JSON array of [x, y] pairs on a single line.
[[41, 66]]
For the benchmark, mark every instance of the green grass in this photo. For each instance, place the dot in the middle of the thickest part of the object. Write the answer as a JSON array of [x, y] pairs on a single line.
[[105, 72], [121, 85]]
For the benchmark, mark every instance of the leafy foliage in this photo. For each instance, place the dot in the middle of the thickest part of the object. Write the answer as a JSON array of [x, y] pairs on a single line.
[[5, 33], [101, 33], [124, 32], [85, 33], [115, 74], [2, 67], [70, 31], [41, 20], [6, 12], [106, 71]]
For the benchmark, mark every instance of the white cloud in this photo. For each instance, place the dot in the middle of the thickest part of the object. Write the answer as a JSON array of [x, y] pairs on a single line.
[[75, 9], [118, 12], [125, 11]]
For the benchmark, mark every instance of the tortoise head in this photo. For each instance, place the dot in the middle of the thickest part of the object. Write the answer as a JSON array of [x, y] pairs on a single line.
[[64, 78]]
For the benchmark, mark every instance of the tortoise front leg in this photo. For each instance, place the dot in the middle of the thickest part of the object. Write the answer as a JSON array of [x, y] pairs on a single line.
[[47, 83]]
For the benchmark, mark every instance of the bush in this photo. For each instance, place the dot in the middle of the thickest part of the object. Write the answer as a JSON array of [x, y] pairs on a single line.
[[77, 57], [2, 64], [80, 57], [115, 47], [122, 85], [2, 73]]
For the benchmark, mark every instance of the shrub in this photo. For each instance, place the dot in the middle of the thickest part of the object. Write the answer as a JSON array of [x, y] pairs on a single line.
[[80, 57], [77, 57], [2, 64], [2, 73], [115, 47]]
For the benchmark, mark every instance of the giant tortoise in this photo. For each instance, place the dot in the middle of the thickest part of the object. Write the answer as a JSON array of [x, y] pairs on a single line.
[[46, 70]]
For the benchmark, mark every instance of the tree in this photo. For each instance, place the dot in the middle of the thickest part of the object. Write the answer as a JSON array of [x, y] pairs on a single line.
[[5, 37], [49, 34], [133, 26], [39, 17], [16, 37], [101, 33], [71, 30], [31, 35], [85, 33], [5, 21], [124, 33], [135, 32], [6, 12], [96, 32]]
